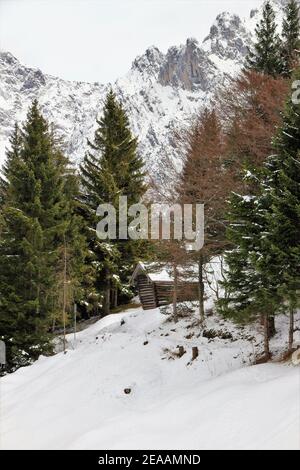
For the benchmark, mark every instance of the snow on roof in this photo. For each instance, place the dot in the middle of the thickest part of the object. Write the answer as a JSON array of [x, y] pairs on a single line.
[[162, 275], [156, 272]]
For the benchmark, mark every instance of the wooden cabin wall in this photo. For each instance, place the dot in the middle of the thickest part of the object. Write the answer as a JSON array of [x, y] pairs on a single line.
[[164, 292], [159, 293]]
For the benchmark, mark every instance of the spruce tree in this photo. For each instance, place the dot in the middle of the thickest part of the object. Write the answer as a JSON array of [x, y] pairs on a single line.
[[250, 294], [264, 266], [282, 184], [12, 155], [111, 168], [265, 56], [35, 219], [72, 252], [290, 38]]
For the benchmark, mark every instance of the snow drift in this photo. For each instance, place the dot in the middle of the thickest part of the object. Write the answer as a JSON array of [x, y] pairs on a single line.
[[218, 401]]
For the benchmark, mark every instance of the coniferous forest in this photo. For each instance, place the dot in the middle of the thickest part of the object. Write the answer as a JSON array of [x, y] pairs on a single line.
[[239, 157]]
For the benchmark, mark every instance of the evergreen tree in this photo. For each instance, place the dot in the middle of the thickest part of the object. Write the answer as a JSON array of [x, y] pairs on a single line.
[[282, 184], [291, 38], [111, 168], [250, 294], [12, 155], [72, 252], [265, 56], [35, 219], [263, 268]]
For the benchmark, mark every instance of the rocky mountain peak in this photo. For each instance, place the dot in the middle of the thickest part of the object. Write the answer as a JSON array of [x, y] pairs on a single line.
[[150, 62], [253, 13], [8, 58], [187, 67], [14, 74], [228, 37]]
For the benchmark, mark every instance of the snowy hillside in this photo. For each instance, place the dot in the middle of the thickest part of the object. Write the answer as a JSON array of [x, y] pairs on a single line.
[[161, 91], [77, 400]]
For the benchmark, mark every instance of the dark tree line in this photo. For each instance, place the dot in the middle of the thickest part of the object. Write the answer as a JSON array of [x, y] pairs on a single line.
[[50, 256]]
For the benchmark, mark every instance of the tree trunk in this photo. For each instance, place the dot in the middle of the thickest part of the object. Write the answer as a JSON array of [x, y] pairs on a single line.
[[53, 324], [201, 288], [175, 273], [291, 330], [272, 329], [266, 336], [116, 298], [106, 306], [65, 293]]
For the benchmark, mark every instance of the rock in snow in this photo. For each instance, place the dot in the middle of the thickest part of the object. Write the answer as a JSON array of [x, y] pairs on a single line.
[[161, 92]]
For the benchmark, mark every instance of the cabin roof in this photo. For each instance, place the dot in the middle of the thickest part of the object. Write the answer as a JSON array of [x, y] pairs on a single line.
[[153, 271], [158, 272]]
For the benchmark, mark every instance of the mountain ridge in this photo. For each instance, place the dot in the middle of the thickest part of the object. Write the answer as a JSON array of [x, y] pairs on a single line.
[[161, 92]]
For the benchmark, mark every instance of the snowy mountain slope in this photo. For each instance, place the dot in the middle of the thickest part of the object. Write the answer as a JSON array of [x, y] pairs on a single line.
[[161, 91], [77, 400]]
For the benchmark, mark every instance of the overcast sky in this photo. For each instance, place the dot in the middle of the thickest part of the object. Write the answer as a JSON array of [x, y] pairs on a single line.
[[97, 40]]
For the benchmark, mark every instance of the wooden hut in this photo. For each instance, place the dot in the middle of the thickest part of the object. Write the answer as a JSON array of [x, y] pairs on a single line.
[[155, 286]]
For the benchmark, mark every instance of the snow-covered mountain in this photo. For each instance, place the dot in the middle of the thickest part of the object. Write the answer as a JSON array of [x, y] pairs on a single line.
[[161, 92]]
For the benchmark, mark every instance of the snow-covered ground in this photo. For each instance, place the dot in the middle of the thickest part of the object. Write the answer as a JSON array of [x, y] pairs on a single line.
[[77, 400]]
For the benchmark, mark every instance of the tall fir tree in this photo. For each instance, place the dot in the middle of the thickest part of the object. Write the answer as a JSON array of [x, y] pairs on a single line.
[[282, 184], [12, 155], [35, 219], [265, 56], [112, 168], [264, 266], [72, 251], [290, 38], [250, 294]]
